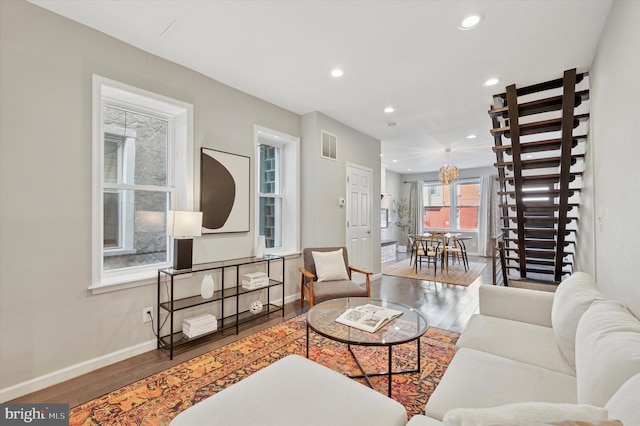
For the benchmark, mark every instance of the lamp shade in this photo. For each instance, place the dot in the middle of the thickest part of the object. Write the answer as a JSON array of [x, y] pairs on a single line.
[[181, 224]]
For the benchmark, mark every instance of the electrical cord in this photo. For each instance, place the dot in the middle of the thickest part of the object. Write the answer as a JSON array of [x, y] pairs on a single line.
[[153, 329]]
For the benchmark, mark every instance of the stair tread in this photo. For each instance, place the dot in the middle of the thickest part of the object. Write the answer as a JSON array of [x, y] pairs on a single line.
[[534, 161], [543, 126], [553, 103], [539, 206], [542, 176], [539, 230], [548, 253], [551, 220], [535, 261], [534, 146], [540, 87], [538, 270], [539, 193], [537, 243]]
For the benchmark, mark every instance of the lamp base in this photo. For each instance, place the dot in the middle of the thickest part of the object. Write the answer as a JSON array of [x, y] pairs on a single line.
[[182, 253]]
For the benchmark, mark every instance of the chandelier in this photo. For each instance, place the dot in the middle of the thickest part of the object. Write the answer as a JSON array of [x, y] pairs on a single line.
[[448, 174]]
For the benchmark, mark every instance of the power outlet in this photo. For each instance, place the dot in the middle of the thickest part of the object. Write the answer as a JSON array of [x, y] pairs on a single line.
[[147, 314]]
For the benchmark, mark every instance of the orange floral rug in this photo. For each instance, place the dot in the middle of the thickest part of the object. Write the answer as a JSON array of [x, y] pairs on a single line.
[[157, 399]]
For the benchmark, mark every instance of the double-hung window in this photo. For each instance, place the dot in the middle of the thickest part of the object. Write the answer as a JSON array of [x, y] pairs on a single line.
[[141, 169], [277, 200], [453, 207]]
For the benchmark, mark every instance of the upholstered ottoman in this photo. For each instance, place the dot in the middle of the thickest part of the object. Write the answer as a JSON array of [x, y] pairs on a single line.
[[295, 391]]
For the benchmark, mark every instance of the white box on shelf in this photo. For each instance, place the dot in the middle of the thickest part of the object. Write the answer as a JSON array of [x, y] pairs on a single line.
[[254, 284], [254, 276], [196, 326]]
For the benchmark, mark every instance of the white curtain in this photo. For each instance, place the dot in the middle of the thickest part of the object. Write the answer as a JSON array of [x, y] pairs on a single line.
[[489, 224], [416, 208]]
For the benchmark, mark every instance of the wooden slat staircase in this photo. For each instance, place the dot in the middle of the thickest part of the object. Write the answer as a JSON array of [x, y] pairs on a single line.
[[540, 134]]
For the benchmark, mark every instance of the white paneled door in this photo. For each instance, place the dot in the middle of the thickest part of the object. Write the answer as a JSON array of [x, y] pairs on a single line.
[[359, 218]]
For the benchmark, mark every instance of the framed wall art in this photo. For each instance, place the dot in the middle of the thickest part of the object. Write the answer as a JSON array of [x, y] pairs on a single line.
[[224, 191]]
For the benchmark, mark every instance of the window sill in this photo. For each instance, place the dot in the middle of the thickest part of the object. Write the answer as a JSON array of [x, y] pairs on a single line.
[[118, 252], [123, 282]]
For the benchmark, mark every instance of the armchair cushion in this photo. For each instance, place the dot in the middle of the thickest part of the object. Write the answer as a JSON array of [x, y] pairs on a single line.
[[330, 265], [328, 290]]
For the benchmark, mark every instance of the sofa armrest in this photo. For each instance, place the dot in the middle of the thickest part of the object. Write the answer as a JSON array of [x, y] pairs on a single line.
[[517, 304]]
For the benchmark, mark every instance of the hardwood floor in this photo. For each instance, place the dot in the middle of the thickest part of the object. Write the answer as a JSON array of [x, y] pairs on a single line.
[[447, 306]]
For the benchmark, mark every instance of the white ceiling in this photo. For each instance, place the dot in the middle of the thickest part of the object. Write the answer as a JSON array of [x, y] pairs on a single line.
[[406, 54]]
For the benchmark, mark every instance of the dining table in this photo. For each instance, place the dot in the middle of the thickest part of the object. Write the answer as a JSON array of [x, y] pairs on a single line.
[[445, 237]]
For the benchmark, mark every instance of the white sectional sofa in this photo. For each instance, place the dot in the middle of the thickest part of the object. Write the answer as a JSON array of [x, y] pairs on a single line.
[[568, 355], [528, 358]]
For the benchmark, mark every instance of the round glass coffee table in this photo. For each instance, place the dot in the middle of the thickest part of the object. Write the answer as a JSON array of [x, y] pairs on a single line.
[[408, 327]]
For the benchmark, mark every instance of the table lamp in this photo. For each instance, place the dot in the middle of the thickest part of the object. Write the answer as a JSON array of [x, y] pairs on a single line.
[[183, 226]]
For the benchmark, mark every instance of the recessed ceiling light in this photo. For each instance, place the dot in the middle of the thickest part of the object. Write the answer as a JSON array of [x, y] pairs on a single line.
[[470, 22], [394, 161], [381, 155], [337, 72], [472, 136], [491, 82], [409, 170], [389, 109]]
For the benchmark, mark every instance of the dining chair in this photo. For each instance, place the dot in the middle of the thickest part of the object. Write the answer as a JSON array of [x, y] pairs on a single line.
[[412, 244], [429, 248], [458, 251]]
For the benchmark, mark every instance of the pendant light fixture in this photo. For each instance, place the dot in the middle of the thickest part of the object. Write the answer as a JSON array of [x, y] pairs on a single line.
[[448, 174]]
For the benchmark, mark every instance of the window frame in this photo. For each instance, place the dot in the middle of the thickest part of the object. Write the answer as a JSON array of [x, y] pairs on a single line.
[[179, 183], [453, 203], [288, 190]]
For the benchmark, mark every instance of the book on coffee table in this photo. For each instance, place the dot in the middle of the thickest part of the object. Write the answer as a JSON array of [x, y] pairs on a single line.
[[367, 317]]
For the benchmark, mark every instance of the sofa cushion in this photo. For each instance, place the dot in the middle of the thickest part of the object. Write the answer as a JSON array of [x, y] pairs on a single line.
[[295, 391], [607, 351], [520, 341], [623, 405], [572, 298], [525, 412], [476, 379]]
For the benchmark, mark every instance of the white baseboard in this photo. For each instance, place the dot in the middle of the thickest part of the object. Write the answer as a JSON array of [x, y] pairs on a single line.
[[56, 377]]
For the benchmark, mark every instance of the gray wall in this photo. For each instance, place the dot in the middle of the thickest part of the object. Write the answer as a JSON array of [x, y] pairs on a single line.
[[48, 319], [609, 224], [324, 221]]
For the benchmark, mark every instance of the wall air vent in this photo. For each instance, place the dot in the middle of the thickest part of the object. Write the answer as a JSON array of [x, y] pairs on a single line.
[[329, 145]]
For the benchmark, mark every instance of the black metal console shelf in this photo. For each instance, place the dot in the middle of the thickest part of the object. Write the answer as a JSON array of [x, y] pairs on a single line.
[[170, 304]]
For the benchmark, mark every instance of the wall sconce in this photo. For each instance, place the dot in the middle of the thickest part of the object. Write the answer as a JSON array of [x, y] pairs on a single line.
[[182, 226]]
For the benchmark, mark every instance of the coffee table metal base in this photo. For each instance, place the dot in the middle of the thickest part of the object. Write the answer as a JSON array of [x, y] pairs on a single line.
[[389, 373]]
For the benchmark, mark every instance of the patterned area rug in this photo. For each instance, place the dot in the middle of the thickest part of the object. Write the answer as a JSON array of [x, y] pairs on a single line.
[[157, 399], [456, 275]]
